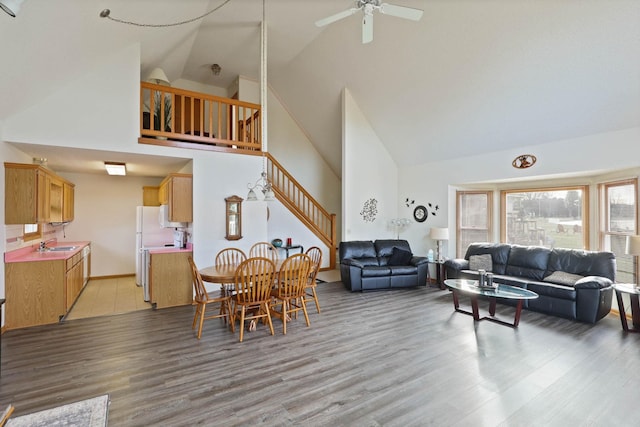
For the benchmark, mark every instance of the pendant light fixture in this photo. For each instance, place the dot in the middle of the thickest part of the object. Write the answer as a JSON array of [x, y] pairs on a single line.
[[263, 182]]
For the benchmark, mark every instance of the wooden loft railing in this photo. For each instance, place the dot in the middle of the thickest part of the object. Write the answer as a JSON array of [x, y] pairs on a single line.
[[291, 194], [170, 116]]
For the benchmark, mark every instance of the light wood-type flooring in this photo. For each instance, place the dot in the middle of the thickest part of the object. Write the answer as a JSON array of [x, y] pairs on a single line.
[[109, 296], [386, 358]]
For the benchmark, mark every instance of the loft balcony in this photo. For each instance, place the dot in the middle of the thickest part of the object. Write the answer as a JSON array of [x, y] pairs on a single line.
[[178, 117]]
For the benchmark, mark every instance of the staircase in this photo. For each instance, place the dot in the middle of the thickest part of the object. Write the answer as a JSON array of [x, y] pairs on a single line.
[[292, 195]]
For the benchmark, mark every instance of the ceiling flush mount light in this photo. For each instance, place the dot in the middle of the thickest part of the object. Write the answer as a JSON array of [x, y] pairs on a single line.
[[215, 69], [524, 161], [12, 7], [114, 168]]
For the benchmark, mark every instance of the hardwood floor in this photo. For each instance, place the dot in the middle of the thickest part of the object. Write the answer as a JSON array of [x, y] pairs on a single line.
[[392, 358]]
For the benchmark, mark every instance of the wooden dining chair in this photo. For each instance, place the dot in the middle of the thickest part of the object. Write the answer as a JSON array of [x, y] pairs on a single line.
[[203, 299], [253, 282], [229, 256], [265, 250], [310, 294], [290, 289]]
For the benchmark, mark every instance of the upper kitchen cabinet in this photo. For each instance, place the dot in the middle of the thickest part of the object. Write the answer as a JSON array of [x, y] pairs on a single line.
[[176, 191], [34, 195]]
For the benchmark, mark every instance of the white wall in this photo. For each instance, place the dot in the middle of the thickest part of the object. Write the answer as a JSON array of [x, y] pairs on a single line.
[[105, 214], [558, 163], [368, 172]]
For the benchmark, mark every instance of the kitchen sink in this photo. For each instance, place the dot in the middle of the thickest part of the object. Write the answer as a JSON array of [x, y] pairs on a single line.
[[62, 248]]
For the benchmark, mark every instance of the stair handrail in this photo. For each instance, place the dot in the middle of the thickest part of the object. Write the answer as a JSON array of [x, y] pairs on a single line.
[[307, 209]]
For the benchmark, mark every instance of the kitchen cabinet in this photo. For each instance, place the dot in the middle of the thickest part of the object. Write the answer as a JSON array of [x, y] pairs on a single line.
[[68, 201], [42, 292], [74, 279], [170, 282], [35, 293], [150, 196], [34, 195], [176, 191]]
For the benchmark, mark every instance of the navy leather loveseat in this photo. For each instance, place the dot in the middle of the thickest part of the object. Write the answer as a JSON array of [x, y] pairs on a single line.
[[380, 264], [570, 283]]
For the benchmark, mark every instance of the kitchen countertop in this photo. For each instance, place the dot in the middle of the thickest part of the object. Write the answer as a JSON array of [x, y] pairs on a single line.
[[170, 249], [31, 253]]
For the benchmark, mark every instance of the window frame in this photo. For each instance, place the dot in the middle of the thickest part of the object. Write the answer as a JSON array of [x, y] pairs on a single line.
[[604, 210], [27, 236], [459, 228], [584, 208]]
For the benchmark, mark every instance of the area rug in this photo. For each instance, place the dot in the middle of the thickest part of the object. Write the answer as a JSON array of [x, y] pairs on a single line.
[[85, 413]]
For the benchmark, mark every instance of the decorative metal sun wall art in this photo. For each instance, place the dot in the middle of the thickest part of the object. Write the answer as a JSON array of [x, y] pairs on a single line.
[[524, 161], [369, 210]]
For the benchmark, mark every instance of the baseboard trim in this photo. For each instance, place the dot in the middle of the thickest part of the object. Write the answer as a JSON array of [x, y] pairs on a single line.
[[113, 276]]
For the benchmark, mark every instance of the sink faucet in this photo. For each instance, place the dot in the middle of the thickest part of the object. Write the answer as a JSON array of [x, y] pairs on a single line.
[[43, 246]]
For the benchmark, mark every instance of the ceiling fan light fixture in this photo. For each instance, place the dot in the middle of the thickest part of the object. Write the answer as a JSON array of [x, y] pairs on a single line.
[[215, 69], [12, 7]]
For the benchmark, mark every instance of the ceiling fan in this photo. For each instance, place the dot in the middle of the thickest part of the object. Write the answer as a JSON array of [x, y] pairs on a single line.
[[368, 6]]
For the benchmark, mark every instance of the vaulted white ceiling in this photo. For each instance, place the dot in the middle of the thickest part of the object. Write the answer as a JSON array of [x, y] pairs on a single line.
[[472, 76]]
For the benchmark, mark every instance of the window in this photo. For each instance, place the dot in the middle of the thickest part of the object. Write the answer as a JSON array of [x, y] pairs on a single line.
[[31, 232], [474, 219], [619, 219], [551, 217]]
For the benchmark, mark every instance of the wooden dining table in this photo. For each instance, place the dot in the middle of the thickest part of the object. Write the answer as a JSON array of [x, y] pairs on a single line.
[[226, 274]]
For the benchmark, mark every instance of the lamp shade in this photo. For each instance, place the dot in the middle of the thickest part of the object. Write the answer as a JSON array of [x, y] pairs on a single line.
[[158, 77], [12, 7], [633, 245], [437, 233]]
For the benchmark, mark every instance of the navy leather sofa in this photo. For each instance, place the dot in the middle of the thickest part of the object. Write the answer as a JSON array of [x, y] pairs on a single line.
[[380, 264], [574, 284]]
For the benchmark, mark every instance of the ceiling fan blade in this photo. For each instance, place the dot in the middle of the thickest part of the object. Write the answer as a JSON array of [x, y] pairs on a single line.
[[338, 16], [367, 29], [401, 11]]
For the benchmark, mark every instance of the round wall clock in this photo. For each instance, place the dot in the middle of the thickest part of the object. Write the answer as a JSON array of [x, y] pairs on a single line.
[[420, 213]]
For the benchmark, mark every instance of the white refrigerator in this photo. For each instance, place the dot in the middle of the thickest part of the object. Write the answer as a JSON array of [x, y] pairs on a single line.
[[149, 235]]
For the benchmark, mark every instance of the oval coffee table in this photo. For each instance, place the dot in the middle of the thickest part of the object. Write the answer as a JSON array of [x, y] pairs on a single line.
[[473, 291]]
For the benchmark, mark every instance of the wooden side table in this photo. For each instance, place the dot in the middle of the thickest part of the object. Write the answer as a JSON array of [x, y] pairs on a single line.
[[440, 273], [634, 293]]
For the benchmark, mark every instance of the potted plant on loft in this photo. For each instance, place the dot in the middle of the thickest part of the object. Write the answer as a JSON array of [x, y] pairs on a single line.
[[157, 113]]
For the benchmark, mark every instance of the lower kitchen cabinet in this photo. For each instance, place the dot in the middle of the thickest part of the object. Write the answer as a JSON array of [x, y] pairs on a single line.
[[34, 293], [42, 292], [170, 279]]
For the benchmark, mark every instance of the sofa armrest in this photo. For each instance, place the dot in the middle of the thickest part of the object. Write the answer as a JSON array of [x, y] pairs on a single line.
[[418, 260], [457, 264], [351, 262], [593, 282]]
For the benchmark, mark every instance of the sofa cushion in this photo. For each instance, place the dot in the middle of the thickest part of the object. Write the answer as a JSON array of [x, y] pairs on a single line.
[[481, 262], [499, 254], [563, 278], [553, 290], [403, 270], [399, 257], [375, 271], [357, 249], [584, 263], [528, 261], [384, 247]]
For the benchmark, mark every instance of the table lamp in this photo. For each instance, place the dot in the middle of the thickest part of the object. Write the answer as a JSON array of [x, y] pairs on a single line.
[[633, 248], [439, 234]]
